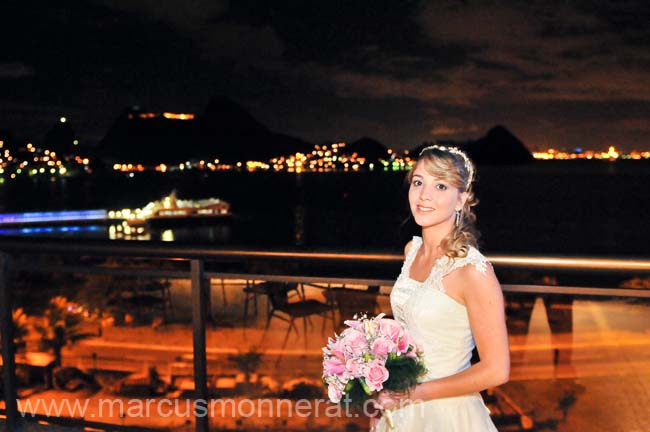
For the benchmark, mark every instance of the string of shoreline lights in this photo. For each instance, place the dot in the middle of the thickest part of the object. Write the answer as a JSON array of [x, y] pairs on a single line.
[[324, 158], [334, 158], [32, 161]]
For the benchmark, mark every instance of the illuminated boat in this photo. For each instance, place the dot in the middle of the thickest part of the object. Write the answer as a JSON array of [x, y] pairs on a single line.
[[171, 210]]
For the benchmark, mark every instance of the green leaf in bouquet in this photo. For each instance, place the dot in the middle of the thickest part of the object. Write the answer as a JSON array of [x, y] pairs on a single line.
[[403, 373], [355, 396], [398, 359], [365, 387]]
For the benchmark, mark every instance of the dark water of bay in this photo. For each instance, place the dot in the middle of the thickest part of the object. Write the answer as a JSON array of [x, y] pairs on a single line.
[[573, 207]]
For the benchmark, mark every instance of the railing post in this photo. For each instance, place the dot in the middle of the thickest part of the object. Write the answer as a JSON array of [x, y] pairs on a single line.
[[8, 348], [199, 298]]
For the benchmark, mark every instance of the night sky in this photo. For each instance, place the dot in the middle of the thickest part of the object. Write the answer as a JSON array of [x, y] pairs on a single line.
[[560, 74]]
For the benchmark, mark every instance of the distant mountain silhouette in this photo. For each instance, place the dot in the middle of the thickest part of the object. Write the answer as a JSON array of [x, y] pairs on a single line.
[[149, 140], [224, 130], [369, 148], [498, 146], [60, 139], [223, 117], [232, 134]]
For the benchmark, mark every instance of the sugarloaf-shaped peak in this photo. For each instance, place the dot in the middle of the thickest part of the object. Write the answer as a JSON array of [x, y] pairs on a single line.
[[141, 136], [367, 147], [499, 146], [501, 134], [224, 130], [224, 116], [60, 138], [233, 134]]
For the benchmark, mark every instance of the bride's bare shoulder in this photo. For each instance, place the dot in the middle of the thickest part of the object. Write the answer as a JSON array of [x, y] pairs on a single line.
[[407, 248]]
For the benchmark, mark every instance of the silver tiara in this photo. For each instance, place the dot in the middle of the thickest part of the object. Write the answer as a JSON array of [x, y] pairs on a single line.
[[455, 150]]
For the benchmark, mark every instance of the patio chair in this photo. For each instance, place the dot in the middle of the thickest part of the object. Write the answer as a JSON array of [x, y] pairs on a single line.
[[253, 290], [285, 310]]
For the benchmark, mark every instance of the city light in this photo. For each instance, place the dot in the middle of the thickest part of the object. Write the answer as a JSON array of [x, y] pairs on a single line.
[[335, 157], [167, 115], [611, 154], [42, 161], [180, 116]]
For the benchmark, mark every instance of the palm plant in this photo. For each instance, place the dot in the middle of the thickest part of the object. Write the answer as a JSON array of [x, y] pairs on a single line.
[[62, 324], [247, 362], [566, 402], [21, 326]]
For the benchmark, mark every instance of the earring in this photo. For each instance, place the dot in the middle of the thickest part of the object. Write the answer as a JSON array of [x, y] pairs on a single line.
[[457, 222]]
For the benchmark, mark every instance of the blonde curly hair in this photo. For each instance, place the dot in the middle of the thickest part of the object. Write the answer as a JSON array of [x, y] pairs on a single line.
[[458, 171]]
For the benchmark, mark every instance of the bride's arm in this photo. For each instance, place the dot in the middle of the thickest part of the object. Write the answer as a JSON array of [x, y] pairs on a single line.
[[483, 299]]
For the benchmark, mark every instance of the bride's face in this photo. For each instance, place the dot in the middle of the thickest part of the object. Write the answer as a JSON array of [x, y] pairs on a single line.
[[433, 201]]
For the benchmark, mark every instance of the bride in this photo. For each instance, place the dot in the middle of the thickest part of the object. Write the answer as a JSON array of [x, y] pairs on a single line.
[[450, 300]]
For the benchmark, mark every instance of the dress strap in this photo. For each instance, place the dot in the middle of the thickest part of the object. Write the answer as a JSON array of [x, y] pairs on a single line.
[[413, 250], [473, 257]]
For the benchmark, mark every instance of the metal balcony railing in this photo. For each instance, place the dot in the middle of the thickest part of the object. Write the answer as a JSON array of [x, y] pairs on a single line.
[[13, 250]]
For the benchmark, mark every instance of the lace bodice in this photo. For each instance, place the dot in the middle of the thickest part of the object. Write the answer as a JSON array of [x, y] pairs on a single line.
[[436, 321]]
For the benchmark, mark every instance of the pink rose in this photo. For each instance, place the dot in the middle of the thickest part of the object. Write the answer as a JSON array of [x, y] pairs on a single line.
[[334, 366], [391, 329], [354, 341], [376, 375], [354, 368], [382, 346]]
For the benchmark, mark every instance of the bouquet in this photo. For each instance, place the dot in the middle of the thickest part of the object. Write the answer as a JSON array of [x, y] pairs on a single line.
[[370, 355]]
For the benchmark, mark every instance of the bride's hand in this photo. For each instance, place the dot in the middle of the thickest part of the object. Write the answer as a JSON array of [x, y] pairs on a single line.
[[373, 423], [390, 400], [374, 413]]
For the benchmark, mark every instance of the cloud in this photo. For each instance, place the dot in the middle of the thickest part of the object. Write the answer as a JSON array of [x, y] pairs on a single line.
[[447, 131], [204, 22], [605, 83], [535, 51], [454, 89], [243, 43], [15, 70], [635, 124], [400, 70], [470, 53]]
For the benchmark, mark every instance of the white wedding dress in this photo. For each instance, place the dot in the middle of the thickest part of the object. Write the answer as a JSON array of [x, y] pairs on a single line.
[[441, 326]]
